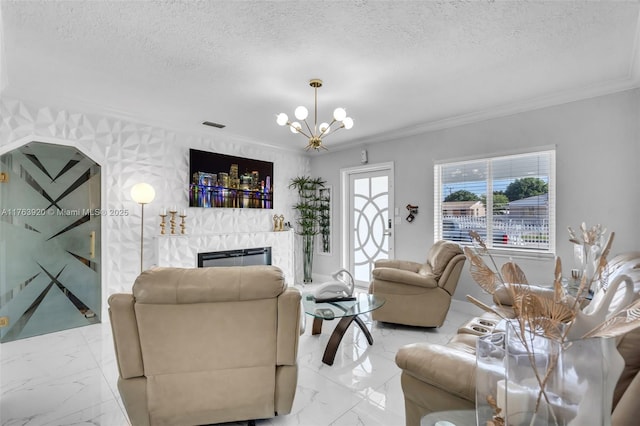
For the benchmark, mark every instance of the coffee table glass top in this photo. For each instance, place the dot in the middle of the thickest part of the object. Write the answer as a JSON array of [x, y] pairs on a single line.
[[330, 310]]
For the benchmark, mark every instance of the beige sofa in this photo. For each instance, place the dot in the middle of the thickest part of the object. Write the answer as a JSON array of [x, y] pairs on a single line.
[[442, 377], [415, 293], [207, 345]]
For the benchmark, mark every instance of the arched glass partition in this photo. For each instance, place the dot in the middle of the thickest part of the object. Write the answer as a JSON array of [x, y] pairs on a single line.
[[49, 240]]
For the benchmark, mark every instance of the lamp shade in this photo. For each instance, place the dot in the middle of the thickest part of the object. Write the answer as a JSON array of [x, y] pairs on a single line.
[[301, 113], [324, 128], [282, 119], [143, 193], [339, 114]]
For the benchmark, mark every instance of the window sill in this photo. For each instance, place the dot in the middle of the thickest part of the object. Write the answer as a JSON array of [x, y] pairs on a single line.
[[521, 254]]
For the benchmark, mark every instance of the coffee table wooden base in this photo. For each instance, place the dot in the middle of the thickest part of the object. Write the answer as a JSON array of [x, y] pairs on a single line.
[[338, 334]]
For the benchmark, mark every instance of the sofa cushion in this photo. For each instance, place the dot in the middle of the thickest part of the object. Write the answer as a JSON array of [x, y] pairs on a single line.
[[405, 277], [443, 367]]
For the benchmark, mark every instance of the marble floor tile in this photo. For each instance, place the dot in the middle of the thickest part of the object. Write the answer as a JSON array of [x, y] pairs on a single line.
[[70, 377], [46, 402]]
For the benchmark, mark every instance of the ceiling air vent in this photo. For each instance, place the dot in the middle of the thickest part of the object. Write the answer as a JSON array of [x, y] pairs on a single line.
[[212, 124]]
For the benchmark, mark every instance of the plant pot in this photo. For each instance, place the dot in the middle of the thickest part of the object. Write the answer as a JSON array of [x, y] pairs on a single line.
[[307, 257]]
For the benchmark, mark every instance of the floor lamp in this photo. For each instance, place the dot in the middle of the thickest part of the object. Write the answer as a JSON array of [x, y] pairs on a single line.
[[142, 193]]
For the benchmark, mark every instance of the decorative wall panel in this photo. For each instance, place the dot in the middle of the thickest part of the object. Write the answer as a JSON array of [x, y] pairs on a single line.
[[130, 153]]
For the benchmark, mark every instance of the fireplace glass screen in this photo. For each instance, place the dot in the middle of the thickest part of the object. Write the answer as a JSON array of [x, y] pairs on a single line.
[[241, 257]]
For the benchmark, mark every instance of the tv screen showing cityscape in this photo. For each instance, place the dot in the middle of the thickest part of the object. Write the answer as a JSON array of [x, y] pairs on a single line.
[[220, 180]]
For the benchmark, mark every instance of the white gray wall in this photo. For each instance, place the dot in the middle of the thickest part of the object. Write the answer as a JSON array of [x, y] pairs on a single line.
[[132, 152], [598, 171]]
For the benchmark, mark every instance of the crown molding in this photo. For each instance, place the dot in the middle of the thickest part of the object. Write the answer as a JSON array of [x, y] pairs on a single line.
[[555, 99]]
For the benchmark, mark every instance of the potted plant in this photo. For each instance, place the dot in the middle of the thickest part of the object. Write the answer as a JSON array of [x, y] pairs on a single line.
[[308, 210], [325, 221]]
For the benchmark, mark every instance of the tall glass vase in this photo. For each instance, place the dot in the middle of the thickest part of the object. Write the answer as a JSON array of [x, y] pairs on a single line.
[[490, 353], [530, 380], [548, 382], [307, 257]]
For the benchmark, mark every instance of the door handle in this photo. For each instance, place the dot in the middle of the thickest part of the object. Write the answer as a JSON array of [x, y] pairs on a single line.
[[92, 245]]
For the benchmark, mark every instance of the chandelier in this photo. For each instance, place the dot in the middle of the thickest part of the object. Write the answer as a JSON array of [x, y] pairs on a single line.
[[316, 133]]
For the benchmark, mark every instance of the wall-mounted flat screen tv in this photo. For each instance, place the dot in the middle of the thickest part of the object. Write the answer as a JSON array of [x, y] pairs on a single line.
[[219, 180]]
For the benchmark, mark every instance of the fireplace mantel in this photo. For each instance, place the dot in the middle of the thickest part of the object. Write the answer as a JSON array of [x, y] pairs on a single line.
[[182, 250]]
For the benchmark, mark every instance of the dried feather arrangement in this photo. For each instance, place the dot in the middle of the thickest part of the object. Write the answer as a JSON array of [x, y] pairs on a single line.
[[593, 247], [549, 314], [497, 419]]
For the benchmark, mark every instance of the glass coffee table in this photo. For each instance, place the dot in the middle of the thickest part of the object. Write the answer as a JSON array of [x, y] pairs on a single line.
[[347, 311]]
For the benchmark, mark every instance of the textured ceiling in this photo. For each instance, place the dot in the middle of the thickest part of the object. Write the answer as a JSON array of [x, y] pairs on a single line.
[[398, 67]]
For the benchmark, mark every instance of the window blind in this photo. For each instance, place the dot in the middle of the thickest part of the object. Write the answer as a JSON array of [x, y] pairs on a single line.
[[509, 200]]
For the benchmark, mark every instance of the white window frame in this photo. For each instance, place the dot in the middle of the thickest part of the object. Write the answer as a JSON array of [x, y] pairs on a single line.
[[511, 250]]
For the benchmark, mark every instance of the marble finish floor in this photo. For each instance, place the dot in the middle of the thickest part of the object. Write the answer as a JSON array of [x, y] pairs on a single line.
[[69, 377]]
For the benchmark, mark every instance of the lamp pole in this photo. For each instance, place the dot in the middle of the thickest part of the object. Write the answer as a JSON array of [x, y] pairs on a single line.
[[142, 193], [141, 236]]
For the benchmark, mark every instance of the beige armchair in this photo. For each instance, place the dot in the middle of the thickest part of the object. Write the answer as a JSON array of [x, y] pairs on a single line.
[[207, 345], [418, 293]]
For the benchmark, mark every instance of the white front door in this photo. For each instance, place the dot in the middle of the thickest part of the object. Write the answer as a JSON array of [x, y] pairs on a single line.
[[369, 225]]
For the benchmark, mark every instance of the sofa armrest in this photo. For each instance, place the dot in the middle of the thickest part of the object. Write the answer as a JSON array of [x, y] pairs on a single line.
[[444, 367], [405, 265], [289, 308], [502, 295], [405, 277], [627, 410], [126, 339]]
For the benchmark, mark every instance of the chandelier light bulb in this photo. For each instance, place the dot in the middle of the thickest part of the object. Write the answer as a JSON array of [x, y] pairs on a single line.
[[347, 123], [324, 128], [301, 113], [339, 114], [282, 119], [295, 127]]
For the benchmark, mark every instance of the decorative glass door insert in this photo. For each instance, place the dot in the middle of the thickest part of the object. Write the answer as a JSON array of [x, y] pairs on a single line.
[[49, 240], [370, 221]]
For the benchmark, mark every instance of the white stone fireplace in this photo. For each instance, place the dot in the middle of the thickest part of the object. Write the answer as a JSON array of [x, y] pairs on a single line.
[[182, 250]]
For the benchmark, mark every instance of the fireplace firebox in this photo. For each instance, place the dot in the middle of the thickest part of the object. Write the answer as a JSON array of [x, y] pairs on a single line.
[[240, 257]]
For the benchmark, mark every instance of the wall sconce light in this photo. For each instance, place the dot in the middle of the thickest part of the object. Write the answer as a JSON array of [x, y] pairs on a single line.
[[142, 193]]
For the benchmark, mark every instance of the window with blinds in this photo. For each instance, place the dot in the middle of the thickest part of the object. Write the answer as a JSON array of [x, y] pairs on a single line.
[[508, 200]]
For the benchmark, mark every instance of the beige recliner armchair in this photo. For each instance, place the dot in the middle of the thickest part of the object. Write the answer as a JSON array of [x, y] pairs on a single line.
[[418, 293], [207, 345]]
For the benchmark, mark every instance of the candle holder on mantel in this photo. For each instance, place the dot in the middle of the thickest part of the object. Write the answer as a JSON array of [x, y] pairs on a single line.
[[183, 224], [163, 223], [172, 220]]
